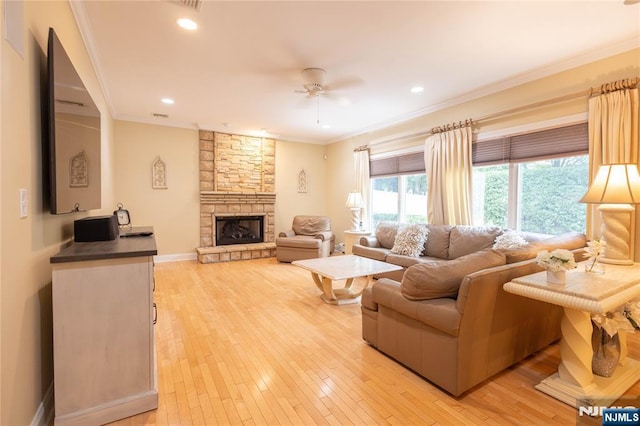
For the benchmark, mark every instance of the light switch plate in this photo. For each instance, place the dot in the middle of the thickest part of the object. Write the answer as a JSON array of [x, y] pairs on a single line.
[[24, 202]]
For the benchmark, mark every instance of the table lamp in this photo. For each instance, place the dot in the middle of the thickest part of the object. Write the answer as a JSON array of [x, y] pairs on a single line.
[[355, 203], [616, 188]]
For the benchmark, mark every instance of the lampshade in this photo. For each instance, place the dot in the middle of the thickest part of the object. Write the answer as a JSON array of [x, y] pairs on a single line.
[[354, 201], [614, 184]]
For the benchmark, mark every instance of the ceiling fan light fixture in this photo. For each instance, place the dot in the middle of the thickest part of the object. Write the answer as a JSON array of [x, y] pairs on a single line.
[[313, 76]]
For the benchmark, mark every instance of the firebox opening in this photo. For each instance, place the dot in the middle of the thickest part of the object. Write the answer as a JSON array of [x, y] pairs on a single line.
[[239, 230]]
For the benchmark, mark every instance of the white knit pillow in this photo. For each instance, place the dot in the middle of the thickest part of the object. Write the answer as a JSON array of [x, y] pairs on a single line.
[[509, 240], [410, 240]]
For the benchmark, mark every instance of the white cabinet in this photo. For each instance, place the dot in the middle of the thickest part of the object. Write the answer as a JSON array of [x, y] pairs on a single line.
[[104, 344]]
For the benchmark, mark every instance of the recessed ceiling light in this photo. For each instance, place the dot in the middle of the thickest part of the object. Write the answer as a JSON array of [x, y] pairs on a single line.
[[168, 101], [326, 126], [187, 24], [417, 89]]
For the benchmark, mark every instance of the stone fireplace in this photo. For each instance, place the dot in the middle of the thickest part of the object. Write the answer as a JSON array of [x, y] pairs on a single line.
[[237, 183]]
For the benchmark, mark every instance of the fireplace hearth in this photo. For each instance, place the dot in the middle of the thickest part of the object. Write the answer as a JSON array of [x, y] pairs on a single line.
[[239, 230]]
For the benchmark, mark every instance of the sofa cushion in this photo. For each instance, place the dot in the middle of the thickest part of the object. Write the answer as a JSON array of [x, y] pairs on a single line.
[[438, 241], [386, 233], [370, 252], [410, 240], [299, 241], [469, 239], [433, 280], [441, 314], [310, 225], [568, 240]]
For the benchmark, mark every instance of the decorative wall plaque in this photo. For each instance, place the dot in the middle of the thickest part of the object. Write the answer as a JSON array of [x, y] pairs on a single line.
[[159, 174], [79, 170], [302, 181]]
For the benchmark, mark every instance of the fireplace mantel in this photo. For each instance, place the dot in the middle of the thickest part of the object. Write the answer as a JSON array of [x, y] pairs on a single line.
[[212, 197]]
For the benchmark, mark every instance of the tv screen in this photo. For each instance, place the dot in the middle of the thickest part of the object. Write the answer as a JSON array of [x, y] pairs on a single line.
[[74, 136]]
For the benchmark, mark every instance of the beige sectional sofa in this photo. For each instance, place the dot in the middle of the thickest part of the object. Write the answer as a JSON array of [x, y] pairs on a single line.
[[447, 317]]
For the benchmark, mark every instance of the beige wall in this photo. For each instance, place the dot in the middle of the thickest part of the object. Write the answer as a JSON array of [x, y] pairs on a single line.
[[579, 79], [291, 157], [174, 212], [27, 243]]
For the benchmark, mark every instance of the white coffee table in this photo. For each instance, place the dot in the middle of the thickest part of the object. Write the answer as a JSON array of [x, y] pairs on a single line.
[[326, 270]]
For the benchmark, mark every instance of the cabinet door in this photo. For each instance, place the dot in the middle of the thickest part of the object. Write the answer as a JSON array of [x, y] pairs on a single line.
[[103, 333]]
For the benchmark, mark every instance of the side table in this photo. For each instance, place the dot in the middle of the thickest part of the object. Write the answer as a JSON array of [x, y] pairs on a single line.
[[352, 237], [582, 295]]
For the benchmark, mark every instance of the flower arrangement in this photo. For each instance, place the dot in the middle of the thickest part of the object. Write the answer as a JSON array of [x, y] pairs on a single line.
[[557, 260], [594, 250], [605, 339], [626, 319]]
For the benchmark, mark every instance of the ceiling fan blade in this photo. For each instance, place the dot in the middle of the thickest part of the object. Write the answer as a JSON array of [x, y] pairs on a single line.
[[345, 83]]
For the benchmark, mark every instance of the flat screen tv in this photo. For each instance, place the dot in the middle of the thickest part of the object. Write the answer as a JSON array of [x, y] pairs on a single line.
[[73, 136]]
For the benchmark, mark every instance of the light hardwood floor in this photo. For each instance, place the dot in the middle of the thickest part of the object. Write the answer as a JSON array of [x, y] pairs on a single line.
[[252, 343]]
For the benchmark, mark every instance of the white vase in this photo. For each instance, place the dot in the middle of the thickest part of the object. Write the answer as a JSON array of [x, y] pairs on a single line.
[[557, 277]]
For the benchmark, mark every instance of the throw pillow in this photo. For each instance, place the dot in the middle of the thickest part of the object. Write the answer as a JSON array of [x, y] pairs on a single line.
[[410, 240], [442, 279], [509, 240], [465, 239], [386, 233]]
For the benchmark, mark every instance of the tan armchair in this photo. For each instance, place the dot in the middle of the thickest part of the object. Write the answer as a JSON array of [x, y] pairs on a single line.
[[308, 238]]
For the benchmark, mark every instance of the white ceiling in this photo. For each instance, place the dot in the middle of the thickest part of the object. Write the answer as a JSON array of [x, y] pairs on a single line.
[[239, 70]]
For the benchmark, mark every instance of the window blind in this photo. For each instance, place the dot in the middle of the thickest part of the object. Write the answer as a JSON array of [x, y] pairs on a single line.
[[398, 165], [563, 141]]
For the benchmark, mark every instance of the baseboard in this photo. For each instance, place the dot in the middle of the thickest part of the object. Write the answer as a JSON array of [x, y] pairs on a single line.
[[44, 413], [175, 257]]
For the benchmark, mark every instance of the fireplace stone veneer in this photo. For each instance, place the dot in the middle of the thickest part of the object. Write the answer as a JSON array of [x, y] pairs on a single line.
[[237, 178], [227, 204]]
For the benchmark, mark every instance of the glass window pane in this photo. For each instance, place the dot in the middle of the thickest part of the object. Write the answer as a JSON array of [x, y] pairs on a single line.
[[414, 198], [549, 194], [490, 195], [384, 200]]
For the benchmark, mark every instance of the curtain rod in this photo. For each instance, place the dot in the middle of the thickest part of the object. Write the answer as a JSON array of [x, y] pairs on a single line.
[[627, 83]]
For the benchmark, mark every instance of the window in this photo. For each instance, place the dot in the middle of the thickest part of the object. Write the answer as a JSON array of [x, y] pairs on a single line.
[[399, 198], [398, 189], [533, 182]]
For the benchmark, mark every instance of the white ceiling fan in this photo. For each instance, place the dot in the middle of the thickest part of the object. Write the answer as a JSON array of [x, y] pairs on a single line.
[[313, 81], [314, 86]]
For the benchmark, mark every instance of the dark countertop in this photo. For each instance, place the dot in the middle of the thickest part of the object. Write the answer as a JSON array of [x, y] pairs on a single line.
[[118, 248]]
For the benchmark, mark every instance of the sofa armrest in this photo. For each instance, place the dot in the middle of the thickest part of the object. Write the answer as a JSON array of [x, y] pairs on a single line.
[[384, 290], [324, 235], [288, 233], [369, 241]]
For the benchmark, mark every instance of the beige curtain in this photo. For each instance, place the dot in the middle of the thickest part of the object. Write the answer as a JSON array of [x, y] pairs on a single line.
[[361, 167], [613, 136], [447, 157]]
